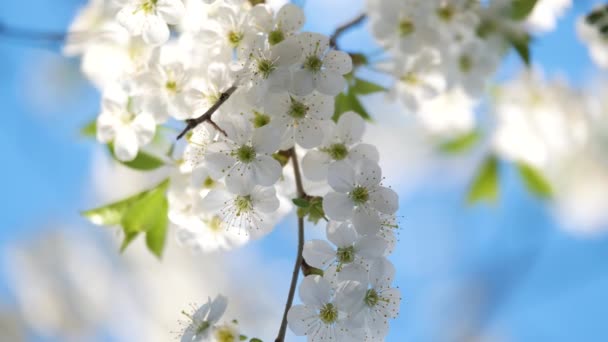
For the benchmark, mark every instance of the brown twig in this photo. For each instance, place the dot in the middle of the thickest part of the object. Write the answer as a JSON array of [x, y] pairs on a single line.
[[192, 123], [299, 259], [333, 39]]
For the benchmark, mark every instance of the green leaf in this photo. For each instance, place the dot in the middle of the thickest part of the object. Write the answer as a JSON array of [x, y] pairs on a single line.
[[301, 202], [521, 9], [111, 214], [129, 237], [460, 144], [242, 337], [347, 102], [149, 215], [485, 186], [143, 161], [363, 87], [521, 44], [89, 130], [535, 181], [255, 339], [144, 214], [315, 211]]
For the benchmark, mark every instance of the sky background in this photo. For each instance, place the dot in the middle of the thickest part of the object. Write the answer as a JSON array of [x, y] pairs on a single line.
[[507, 271]]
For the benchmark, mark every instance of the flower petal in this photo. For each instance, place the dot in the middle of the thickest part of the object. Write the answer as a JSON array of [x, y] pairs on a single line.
[[341, 235], [350, 128], [314, 165], [385, 200], [367, 173], [318, 253], [338, 206], [329, 82], [338, 61], [155, 30], [125, 144], [341, 177], [144, 126], [265, 170], [315, 291], [302, 82]]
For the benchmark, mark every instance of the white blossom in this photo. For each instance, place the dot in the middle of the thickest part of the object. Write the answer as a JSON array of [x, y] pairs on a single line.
[[150, 18]]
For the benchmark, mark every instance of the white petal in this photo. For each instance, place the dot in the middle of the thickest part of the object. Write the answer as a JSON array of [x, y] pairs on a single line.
[[302, 82], [341, 176], [265, 199], [320, 106], [350, 295], [338, 61], [219, 163], [239, 179], [314, 165], [385, 200], [350, 127], [265, 170], [366, 221], [371, 247], [393, 297], [106, 127], [341, 235], [125, 144], [266, 139], [217, 309], [171, 11], [318, 253], [131, 18], [262, 18], [144, 126], [315, 291], [313, 43], [364, 151], [367, 173], [290, 18], [329, 82], [155, 30], [215, 201], [381, 273], [338, 206], [287, 52], [300, 319], [277, 105], [308, 133]]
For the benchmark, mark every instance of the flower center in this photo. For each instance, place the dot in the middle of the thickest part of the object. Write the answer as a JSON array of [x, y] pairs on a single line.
[[224, 335], [359, 195], [313, 63], [126, 117], [371, 298], [406, 27], [446, 12], [201, 327], [465, 63], [235, 38], [149, 6], [275, 37], [409, 78], [297, 110], [265, 67], [208, 183], [215, 224], [171, 86], [328, 313], [245, 154], [337, 151], [242, 204], [346, 255], [260, 119]]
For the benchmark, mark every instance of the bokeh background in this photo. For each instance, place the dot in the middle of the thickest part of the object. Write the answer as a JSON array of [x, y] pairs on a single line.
[[512, 271]]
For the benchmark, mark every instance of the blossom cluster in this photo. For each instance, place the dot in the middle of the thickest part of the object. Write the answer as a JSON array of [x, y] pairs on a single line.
[[257, 95], [560, 130], [442, 54]]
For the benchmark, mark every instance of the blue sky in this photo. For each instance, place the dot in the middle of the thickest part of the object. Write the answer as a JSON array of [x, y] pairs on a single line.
[[505, 269]]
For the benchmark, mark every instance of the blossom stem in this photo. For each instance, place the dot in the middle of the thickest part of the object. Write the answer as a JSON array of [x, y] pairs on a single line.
[[299, 259], [333, 39], [192, 123]]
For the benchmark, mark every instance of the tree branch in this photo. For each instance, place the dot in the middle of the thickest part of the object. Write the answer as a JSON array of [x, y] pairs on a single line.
[[192, 123], [333, 39], [299, 259]]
